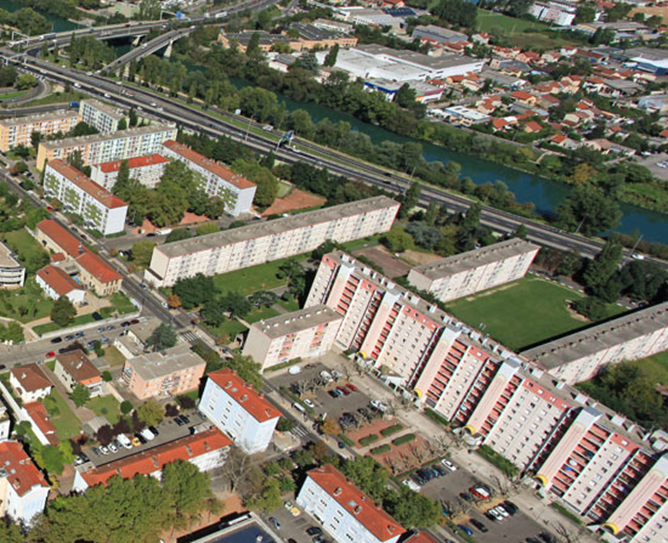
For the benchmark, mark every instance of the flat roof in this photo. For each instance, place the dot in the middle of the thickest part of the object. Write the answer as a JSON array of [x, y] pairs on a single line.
[[418, 59], [109, 110], [6, 258], [478, 257], [297, 321], [276, 226], [95, 138], [86, 184], [599, 337], [50, 116], [156, 365]]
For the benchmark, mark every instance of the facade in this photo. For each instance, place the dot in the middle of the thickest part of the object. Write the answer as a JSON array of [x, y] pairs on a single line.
[[147, 170], [269, 240], [581, 355], [100, 116], [15, 131], [12, 274], [98, 207], [207, 450], [309, 38], [74, 368], [467, 273], [235, 190], [305, 333], [346, 513], [167, 373], [23, 489], [559, 12], [30, 383], [139, 141], [56, 282], [238, 410]]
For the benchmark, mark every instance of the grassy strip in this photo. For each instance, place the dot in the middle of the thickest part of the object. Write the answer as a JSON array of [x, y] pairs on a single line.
[[286, 364], [493, 457], [382, 449], [403, 439], [368, 440], [568, 514], [391, 430], [459, 532], [296, 399], [437, 417], [346, 440]]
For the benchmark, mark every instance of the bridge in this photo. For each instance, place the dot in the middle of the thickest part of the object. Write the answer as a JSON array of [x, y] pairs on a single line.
[[156, 44]]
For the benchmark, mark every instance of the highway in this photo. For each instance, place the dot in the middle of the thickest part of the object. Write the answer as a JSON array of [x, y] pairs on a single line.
[[148, 48]]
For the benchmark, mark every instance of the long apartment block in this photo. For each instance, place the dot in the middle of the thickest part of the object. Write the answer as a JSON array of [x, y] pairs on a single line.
[[235, 190], [467, 273], [269, 240], [580, 356], [17, 131], [140, 141], [100, 116], [594, 461], [98, 207]]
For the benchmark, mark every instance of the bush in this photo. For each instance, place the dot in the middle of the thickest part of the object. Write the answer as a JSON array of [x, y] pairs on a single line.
[[346, 440], [126, 407], [391, 430], [493, 457], [368, 440], [106, 376], [436, 417], [382, 449], [592, 308], [403, 439]]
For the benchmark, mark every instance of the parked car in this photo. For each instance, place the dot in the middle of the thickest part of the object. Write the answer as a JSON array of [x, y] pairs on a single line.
[[363, 411], [57, 340], [509, 507], [184, 419], [326, 376], [336, 374], [351, 387], [314, 530], [154, 430], [147, 434], [275, 523], [136, 442], [412, 485], [464, 528], [343, 391], [50, 354], [178, 421], [449, 465], [479, 525], [309, 403], [466, 497], [113, 448], [104, 450]]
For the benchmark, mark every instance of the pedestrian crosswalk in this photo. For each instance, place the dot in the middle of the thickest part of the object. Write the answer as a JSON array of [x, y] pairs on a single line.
[[299, 432], [190, 337]]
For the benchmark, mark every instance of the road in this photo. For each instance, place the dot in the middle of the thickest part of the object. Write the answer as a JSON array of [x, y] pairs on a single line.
[[148, 48]]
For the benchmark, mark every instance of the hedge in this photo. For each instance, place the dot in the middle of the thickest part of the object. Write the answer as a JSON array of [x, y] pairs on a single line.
[[382, 449], [493, 457], [403, 439], [391, 430], [436, 417], [368, 440], [346, 440]]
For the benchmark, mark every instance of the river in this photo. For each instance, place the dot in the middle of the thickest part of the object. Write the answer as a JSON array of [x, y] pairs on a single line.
[[59, 24]]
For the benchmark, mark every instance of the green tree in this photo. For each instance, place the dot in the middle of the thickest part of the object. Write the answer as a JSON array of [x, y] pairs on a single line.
[[267, 184], [247, 369], [598, 271], [10, 532], [330, 59], [80, 395], [253, 46], [63, 312], [194, 291], [149, 10], [398, 240], [413, 510], [126, 407], [410, 200], [207, 228], [179, 234], [270, 497], [123, 124], [163, 337], [142, 252], [588, 211], [35, 139], [431, 215], [25, 81], [151, 412], [189, 489], [213, 313], [52, 459]]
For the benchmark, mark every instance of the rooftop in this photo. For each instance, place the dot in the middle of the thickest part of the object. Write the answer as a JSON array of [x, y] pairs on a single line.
[[90, 187], [40, 417], [109, 110], [417, 59], [440, 31], [42, 117], [95, 138], [157, 365], [266, 228], [297, 321], [313, 33], [61, 237], [7, 260], [478, 257], [135, 162], [58, 280], [80, 368], [599, 337], [244, 394], [30, 377], [356, 503], [210, 165], [98, 267], [18, 468]]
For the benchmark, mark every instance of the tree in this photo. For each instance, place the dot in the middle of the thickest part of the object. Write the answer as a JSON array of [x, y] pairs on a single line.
[[107, 377], [263, 298], [10, 532], [591, 308], [149, 10], [151, 412], [179, 234], [588, 211], [330, 427], [431, 215], [398, 240], [80, 395], [132, 117], [35, 139], [410, 200], [189, 490], [163, 337], [52, 459], [63, 312], [247, 369], [126, 407], [285, 425], [174, 302], [142, 252], [25, 81], [324, 248], [411, 509], [330, 59], [253, 46], [123, 124], [270, 497], [123, 175], [213, 313], [194, 291], [598, 271]]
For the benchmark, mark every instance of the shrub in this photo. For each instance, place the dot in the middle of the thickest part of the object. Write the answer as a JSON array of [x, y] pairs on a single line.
[[391, 430], [382, 449], [126, 407], [346, 440], [403, 439], [592, 308], [368, 440]]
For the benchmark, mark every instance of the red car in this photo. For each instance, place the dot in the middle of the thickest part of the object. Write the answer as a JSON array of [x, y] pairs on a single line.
[[352, 387], [50, 354], [49, 208], [345, 391]]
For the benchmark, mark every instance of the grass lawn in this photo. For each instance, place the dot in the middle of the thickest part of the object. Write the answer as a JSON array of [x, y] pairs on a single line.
[[56, 98], [527, 311], [228, 330], [42, 329], [283, 189], [63, 418], [28, 300], [523, 33], [114, 356], [364, 243], [107, 407], [25, 246], [121, 303], [13, 94], [291, 304], [259, 314]]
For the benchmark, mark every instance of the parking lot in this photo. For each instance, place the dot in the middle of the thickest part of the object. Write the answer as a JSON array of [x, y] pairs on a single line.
[[294, 527]]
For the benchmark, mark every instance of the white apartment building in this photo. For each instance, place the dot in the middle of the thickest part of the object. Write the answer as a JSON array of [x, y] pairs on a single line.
[[305, 333], [23, 489], [238, 410], [467, 273], [558, 12], [148, 170], [139, 141], [236, 191], [345, 512], [102, 117], [15, 131], [269, 240], [579, 356], [99, 208], [12, 274]]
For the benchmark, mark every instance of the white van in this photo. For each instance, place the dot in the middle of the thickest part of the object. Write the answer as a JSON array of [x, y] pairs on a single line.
[[124, 440], [299, 407], [147, 434]]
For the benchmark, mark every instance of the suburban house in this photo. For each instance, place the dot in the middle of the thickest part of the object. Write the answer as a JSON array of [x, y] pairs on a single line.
[[56, 282], [29, 383], [74, 368]]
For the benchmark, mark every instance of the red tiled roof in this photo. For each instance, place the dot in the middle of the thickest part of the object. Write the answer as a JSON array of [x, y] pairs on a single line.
[[98, 267], [152, 460], [420, 537], [40, 417], [558, 138], [244, 394], [208, 164], [86, 184], [521, 95], [533, 126], [356, 503], [499, 123], [61, 237], [57, 257], [30, 377], [664, 133], [134, 162], [58, 280], [80, 368], [21, 472]]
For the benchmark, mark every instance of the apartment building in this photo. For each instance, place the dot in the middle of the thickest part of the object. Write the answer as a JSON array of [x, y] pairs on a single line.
[[98, 207], [168, 373], [148, 170], [56, 282], [467, 273], [217, 181], [581, 355], [12, 274], [23, 488], [102, 117], [305, 333], [239, 410], [139, 141], [93, 271], [75, 368], [29, 383], [269, 240], [15, 131], [345, 512], [207, 449]]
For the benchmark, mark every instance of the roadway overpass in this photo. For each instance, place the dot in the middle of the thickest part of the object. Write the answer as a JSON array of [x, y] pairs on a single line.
[[153, 46]]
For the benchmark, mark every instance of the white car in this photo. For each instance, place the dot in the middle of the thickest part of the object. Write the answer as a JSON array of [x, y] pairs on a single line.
[[412, 485], [309, 403], [380, 406], [113, 448], [326, 376], [147, 434], [638, 256], [449, 464], [336, 374], [501, 511]]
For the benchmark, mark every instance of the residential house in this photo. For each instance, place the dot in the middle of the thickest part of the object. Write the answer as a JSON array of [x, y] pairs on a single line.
[[56, 282], [74, 368], [29, 383]]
